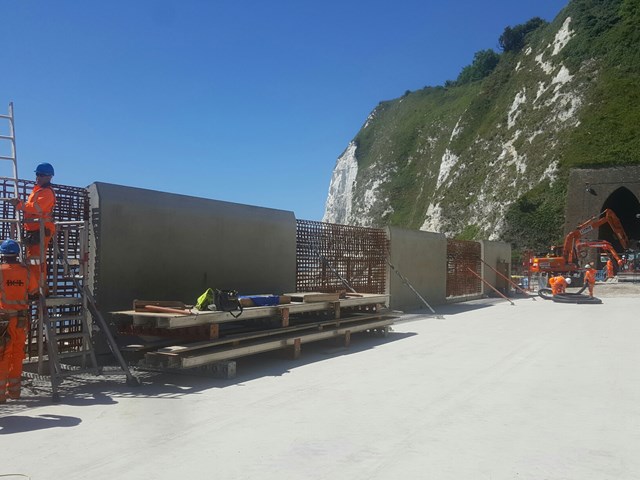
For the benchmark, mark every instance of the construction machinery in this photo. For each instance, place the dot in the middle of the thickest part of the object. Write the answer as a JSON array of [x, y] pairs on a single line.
[[564, 259], [583, 245]]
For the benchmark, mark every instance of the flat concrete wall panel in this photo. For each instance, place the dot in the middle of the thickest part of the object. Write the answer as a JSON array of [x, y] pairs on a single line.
[[162, 246], [421, 257], [497, 255]]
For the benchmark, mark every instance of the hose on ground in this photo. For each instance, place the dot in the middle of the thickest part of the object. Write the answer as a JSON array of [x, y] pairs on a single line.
[[577, 297]]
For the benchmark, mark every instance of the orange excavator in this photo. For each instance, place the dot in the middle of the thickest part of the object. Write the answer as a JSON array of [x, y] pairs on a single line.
[[582, 245], [565, 259]]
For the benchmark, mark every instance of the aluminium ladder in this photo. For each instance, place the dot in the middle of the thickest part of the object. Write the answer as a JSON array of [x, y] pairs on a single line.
[[12, 158], [66, 320]]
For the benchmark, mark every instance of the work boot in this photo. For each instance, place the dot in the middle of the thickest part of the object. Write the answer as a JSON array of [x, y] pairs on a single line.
[[3, 390], [13, 388]]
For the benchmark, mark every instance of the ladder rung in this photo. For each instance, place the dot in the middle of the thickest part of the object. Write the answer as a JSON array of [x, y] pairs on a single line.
[[8, 117], [70, 336], [66, 318], [76, 277], [74, 354], [59, 301], [6, 137], [2, 157]]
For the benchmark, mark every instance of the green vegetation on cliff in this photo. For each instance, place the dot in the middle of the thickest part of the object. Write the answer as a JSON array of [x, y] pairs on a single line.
[[488, 155]]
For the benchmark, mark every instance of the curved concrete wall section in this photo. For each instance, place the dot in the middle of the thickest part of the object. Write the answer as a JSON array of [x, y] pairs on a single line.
[[160, 246], [421, 257]]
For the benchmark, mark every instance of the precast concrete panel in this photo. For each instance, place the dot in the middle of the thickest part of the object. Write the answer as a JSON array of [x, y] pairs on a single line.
[[152, 245], [421, 257], [496, 255]]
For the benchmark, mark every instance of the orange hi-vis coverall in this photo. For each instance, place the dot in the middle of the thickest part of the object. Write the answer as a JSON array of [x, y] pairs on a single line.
[[39, 206], [610, 269], [15, 285], [558, 285], [590, 279]]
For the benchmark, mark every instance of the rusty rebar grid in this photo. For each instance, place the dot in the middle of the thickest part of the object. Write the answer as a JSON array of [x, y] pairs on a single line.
[[72, 204], [327, 254], [461, 256]]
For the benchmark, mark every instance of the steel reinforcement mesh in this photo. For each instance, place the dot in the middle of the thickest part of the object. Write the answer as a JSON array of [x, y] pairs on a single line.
[[462, 256], [327, 252], [72, 204]]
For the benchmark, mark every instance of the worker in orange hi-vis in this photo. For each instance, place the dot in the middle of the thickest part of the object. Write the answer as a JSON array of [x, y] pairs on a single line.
[[563, 283], [552, 284], [559, 284], [590, 278], [16, 284], [610, 273], [38, 208]]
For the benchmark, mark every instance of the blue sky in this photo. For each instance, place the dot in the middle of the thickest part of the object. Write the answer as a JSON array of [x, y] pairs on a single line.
[[242, 101]]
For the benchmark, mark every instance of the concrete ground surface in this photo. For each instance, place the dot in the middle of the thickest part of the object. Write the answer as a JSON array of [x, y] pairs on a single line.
[[539, 390]]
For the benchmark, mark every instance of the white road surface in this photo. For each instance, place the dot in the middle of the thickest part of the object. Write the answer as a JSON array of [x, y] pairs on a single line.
[[535, 391]]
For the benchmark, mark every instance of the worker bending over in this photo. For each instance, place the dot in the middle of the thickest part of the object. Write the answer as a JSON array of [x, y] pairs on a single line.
[[590, 278], [16, 284], [38, 208], [559, 284]]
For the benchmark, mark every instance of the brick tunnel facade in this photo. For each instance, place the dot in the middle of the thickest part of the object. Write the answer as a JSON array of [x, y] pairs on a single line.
[[591, 191]]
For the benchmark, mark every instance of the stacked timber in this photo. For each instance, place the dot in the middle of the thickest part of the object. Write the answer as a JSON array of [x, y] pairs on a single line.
[[203, 338]]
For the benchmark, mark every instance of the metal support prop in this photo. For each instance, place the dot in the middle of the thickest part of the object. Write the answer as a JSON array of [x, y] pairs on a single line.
[[491, 286], [510, 281], [406, 282]]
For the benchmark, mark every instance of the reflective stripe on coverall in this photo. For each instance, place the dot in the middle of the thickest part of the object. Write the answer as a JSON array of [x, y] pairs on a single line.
[[15, 285], [590, 279], [609, 269], [39, 206]]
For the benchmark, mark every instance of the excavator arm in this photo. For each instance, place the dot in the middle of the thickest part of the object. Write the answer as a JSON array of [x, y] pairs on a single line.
[[566, 261], [601, 244], [607, 216]]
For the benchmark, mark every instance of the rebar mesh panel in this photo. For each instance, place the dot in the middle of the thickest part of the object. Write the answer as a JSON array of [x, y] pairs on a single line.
[[325, 252], [462, 255], [72, 204]]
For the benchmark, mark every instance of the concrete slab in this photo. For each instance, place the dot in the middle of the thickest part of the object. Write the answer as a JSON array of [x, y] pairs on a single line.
[[493, 391]]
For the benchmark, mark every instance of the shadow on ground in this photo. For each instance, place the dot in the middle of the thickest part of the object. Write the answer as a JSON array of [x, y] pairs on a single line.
[[23, 423], [457, 308], [88, 390]]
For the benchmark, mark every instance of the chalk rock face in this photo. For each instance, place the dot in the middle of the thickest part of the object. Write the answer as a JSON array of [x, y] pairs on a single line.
[[453, 159]]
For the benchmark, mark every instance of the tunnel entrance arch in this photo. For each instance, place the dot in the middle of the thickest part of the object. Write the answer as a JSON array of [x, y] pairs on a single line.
[[626, 206]]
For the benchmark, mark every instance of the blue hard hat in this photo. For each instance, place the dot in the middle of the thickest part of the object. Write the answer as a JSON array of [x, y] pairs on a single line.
[[9, 247], [45, 169]]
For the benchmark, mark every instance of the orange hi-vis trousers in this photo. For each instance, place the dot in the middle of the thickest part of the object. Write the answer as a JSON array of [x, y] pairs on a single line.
[[4, 360], [38, 269], [13, 356]]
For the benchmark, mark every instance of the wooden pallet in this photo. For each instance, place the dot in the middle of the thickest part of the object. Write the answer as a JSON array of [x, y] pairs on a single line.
[[172, 320], [204, 353], [288, 326]]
